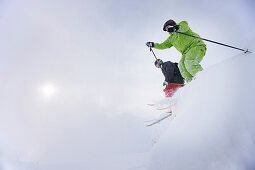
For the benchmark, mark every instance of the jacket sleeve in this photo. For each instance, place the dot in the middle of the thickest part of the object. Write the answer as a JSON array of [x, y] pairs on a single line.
[[183, 26], [168, 71], [166, 44]]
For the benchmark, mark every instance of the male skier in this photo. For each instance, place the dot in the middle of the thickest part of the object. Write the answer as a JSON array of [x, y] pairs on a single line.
[[192, 49]]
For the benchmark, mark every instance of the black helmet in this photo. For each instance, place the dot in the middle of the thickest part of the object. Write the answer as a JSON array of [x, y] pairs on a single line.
[[169, 22], [158, 63]]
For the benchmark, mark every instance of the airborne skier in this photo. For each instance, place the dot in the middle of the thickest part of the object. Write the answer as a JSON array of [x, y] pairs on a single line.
[[173, 77], [192, 49]]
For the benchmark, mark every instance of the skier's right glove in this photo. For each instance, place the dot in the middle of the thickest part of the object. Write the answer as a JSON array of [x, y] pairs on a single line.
[[150, 44]]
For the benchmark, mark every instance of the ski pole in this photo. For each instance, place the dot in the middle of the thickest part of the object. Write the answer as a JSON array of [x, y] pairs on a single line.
[[245, 51], [153, 53]]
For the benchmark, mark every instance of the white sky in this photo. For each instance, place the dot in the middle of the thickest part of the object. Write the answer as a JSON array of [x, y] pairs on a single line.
[[101, 43]]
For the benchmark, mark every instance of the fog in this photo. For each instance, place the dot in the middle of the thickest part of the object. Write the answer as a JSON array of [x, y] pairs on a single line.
[[76, 76]]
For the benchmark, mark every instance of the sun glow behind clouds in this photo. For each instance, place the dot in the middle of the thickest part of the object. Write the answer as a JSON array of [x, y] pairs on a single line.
[[48, 90]]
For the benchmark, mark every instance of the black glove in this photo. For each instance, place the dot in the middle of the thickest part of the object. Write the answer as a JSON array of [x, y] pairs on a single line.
[[150, 44], [173, 29]]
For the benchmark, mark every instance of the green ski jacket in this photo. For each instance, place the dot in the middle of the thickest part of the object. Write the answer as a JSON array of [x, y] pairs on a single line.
[[181, 42]]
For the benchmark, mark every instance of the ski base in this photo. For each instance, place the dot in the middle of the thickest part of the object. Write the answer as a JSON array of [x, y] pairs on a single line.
[[159, 120]]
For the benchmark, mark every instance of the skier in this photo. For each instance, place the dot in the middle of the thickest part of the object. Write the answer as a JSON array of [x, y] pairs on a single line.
[[192, 49], [173, 78]]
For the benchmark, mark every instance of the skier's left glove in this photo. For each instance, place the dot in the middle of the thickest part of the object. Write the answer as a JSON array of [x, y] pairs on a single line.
[[150, 44], [165, 83], [173, 29]]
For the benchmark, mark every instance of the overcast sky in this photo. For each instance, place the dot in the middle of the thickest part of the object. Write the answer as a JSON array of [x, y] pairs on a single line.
[[99, 45]]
